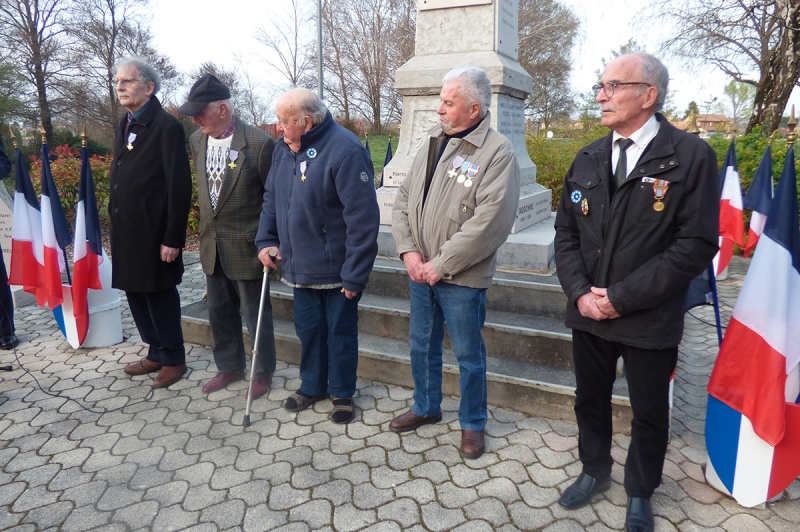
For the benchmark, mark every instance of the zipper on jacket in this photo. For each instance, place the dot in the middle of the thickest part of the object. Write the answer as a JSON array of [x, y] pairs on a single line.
[[289, 208]]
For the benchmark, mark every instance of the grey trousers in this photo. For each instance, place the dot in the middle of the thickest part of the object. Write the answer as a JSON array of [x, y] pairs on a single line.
[[225, 298]]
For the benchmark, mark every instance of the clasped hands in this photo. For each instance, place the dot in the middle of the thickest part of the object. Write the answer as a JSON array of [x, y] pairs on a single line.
[[596, 305], [419, 271]]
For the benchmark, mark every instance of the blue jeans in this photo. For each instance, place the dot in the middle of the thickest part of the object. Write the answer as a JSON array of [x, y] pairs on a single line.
[[464, 310], [327, 324]]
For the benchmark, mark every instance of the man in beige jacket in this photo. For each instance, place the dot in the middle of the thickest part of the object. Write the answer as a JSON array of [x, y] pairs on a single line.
[[451, 214]]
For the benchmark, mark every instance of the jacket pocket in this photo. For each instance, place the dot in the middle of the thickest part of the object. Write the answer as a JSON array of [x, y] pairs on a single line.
[[462, 211]]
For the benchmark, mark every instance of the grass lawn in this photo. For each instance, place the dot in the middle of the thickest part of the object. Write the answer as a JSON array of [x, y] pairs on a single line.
[[377, 148]]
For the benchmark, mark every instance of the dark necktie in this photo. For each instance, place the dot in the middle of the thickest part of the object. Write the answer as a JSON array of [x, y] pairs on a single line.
[[622, 163], [131, 120]]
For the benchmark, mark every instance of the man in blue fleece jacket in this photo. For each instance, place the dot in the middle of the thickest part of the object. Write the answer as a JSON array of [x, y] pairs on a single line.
[[321, 214]]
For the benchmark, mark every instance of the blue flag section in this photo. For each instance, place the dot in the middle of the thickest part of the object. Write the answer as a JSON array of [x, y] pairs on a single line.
[[758, 200], [387, 159], [60, 225]]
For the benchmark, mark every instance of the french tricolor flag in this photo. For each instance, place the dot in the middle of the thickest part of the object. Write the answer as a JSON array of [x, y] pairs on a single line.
[[55, 234], [88, 251], [758, 200], [753, 416], [27, 249], [731, 219]]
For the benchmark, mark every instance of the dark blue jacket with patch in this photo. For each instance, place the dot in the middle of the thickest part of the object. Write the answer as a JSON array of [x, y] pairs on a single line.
[[320, 208]]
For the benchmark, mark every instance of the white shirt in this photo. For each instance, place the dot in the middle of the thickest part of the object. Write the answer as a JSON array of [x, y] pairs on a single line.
[[641, 138]]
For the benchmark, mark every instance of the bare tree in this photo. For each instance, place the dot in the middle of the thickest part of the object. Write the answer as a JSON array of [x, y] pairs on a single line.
[[547, 32], [753, 41], [289, 50], [35, 39]]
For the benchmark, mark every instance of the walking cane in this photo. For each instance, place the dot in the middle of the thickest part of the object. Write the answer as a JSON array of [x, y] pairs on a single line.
[[246, 423]]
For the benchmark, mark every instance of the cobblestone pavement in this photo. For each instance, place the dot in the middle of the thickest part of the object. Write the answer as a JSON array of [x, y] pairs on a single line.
[[181, 460]]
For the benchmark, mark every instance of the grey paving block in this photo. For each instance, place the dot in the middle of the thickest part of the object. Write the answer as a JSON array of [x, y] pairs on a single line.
[[200, 497], [174, 518], [348, 518], [261, 518], [315, 514], [440, 519], [225, 515], [85, 518]]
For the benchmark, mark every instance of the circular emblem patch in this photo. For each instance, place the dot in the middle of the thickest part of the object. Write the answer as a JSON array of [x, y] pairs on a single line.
[[576, 196], [311, 153], [364, 177]]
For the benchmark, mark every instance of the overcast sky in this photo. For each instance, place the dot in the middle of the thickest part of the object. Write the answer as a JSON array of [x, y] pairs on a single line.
[[193, 31]]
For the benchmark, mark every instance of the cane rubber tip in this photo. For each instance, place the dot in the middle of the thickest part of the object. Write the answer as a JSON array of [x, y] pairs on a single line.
[[246, 422]]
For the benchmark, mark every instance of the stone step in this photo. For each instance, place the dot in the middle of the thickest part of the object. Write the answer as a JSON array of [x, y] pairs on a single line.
[[534, 339], [536, 389]]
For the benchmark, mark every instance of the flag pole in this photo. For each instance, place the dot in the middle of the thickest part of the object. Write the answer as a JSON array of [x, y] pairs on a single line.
[[43, 133]]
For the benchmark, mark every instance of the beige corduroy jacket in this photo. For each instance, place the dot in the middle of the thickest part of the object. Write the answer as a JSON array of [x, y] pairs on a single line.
[[459, 228]]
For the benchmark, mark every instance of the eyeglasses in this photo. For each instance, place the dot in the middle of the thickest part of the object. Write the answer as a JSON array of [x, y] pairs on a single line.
[[124, 81], [609, 87]]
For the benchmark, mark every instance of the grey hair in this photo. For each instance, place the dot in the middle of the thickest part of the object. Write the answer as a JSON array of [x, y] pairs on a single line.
[[475, 86], [306, 103], [147, 73], [655, 73]]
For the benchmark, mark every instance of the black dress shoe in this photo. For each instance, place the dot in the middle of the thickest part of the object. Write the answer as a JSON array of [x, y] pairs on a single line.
[[9, 342], [639, 516], [582, 491]]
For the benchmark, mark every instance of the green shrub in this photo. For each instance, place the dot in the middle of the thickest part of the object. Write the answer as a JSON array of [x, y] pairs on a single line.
[[553, 157]]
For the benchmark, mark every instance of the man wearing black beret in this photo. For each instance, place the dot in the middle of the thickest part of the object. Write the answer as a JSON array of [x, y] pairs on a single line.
[[232, 160]]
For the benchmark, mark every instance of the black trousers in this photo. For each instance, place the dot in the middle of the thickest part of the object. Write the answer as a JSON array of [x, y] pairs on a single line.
[[6, 305], [648, 372], [158, 318]]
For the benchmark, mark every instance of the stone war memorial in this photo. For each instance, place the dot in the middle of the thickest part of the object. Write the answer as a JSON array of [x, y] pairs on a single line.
[[492, 27]]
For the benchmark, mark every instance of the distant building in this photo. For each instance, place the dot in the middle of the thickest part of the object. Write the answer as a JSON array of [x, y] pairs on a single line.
[[708, 124]]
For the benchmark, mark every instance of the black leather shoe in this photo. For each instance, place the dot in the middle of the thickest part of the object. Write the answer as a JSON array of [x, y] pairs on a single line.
[[639, 516], [582, 491], [9, 342]]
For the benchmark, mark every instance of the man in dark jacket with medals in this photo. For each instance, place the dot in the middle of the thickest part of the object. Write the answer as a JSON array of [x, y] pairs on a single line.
[[637, 221], [151, 190]]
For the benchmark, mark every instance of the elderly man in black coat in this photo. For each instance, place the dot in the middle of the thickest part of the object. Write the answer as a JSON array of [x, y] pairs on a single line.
[[151, 190]]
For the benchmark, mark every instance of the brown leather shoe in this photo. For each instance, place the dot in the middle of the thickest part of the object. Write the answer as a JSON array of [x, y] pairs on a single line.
[[221, 380], [410, 421], [260, 387], [143, 367], [169, 375], [472, 444]]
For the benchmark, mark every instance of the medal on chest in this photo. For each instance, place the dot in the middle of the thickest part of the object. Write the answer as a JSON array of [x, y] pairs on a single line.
[[660, 187], [131, 140], [303, 166], [232, 155]]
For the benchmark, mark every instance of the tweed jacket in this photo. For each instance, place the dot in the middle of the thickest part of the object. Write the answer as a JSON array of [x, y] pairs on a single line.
[[151, 191], [231, 229], [456, 227]]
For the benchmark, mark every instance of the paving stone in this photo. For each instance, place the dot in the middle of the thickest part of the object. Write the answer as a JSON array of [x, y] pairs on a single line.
[[49, 516], [8, 520], [296, 456], [261, 518], [196, 474], [438, 518], [84, 494], [283, 497], [386, 526], [500, 488], [325, 460], [137, 515], [168, 494], [200, 497], [307, 477], [67, 478], [347, 518], [85, 518], [119, 474], [315, 513], [383, 477], [225, 515], [403, 511], [33, 498], [38, 475], [367, 496], [174, 518], [338, 492], [276, 474], [466, 477]]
